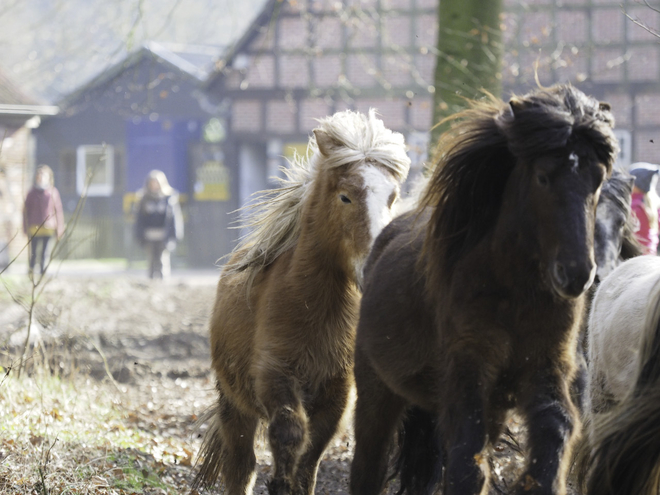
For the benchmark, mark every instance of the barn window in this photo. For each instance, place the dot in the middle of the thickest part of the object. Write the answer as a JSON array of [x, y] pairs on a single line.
[[95, 170]]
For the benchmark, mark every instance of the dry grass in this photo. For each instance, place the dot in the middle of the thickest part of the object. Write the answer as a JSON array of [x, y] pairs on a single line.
[[82, 437]]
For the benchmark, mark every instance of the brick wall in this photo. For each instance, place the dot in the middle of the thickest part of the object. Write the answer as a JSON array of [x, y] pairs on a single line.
[[646, 146], [622, 106], [281, 116], [647, 110], [391, 111], [643, 63], [328, 33], [591, 43], [396, 31], [261, 72], [361, 69], [310, 110], [246, 116], [354, 53], [327, 70], [573, 27]]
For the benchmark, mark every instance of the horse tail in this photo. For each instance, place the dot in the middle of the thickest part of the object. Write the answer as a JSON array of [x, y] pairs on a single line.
[[626, 442], [420, 460], [211, 450]]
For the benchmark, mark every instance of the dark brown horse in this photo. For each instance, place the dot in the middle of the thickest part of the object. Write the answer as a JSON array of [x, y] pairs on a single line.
[[473, 304], [283, 324]]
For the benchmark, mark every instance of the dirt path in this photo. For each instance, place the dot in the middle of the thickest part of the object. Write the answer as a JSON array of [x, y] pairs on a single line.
[[142, 346], [132, 358]]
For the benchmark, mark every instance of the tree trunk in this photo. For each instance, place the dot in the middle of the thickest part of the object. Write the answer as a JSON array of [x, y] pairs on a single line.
[[469, 55]]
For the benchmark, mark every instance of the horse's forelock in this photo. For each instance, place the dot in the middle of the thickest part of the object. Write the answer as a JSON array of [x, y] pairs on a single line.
[[479, 152], [546, 120], [362, 137], [273, 219]]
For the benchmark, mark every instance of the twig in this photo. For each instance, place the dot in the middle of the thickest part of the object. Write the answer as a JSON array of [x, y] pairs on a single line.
[[105, 365], [29, 327], [649, 29], [39, 285], [42, 469], [650, 7], [4, 378]]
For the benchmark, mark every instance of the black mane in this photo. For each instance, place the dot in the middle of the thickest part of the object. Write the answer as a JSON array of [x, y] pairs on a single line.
[[479, 152]]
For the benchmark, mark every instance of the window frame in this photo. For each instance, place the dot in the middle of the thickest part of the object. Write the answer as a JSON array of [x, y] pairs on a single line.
[[104, 189]]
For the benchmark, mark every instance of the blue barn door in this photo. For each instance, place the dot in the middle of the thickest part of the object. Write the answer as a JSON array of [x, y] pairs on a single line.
[[161, 145]]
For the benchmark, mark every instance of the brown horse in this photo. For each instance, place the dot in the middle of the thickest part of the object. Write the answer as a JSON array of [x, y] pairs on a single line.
[[472, 305], [283, 325]]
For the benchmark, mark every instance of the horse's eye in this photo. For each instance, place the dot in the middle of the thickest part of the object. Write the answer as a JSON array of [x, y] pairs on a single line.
[[542, 179], [344, 199]]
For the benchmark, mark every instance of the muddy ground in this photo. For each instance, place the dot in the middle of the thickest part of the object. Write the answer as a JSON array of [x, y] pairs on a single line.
[[146, 342]]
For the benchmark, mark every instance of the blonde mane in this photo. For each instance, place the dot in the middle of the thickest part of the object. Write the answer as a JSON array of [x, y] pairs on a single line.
[[273, 219]]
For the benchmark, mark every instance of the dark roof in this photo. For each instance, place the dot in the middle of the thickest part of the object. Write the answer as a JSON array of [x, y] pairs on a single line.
[[11, 95], [258, 25], [196, 61], [16, 107]]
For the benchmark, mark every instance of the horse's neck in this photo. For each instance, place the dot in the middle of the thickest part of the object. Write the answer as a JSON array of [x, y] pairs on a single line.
[[314, 258], [319, 266]]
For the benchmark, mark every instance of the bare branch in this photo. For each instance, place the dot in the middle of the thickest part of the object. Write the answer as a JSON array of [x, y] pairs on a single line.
[[645, 27], [650, 7], [97, 346]]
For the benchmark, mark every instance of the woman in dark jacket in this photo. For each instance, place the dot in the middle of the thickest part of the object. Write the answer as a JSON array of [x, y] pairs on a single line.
[[42, 216], [158, 223]]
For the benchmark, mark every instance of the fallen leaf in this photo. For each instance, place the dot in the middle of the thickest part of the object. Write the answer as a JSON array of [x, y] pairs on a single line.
[[36, 440], [99, 481]]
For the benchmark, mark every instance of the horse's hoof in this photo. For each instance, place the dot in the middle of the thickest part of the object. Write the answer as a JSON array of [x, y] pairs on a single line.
[[278, 486]]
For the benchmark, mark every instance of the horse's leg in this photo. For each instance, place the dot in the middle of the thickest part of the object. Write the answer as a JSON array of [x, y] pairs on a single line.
[[238, 430], [287, 428], [466, 471], [324, 416], [377, 414], [552, 421]]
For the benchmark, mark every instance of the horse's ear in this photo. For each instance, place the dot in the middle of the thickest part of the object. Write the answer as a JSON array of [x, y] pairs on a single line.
[[516, 105], [327, 145], [604, 106]]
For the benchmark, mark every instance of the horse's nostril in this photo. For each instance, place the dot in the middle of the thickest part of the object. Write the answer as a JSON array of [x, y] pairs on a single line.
[[559, 273]]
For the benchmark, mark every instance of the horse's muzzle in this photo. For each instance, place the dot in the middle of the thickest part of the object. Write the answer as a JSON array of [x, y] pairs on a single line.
[[570, 280]]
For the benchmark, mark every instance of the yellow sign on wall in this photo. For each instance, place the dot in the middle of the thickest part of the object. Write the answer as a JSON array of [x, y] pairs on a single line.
[[212, 182]]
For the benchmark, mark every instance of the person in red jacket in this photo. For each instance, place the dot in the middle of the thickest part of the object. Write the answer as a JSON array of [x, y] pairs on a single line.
[[43, 217], [645, 204]]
